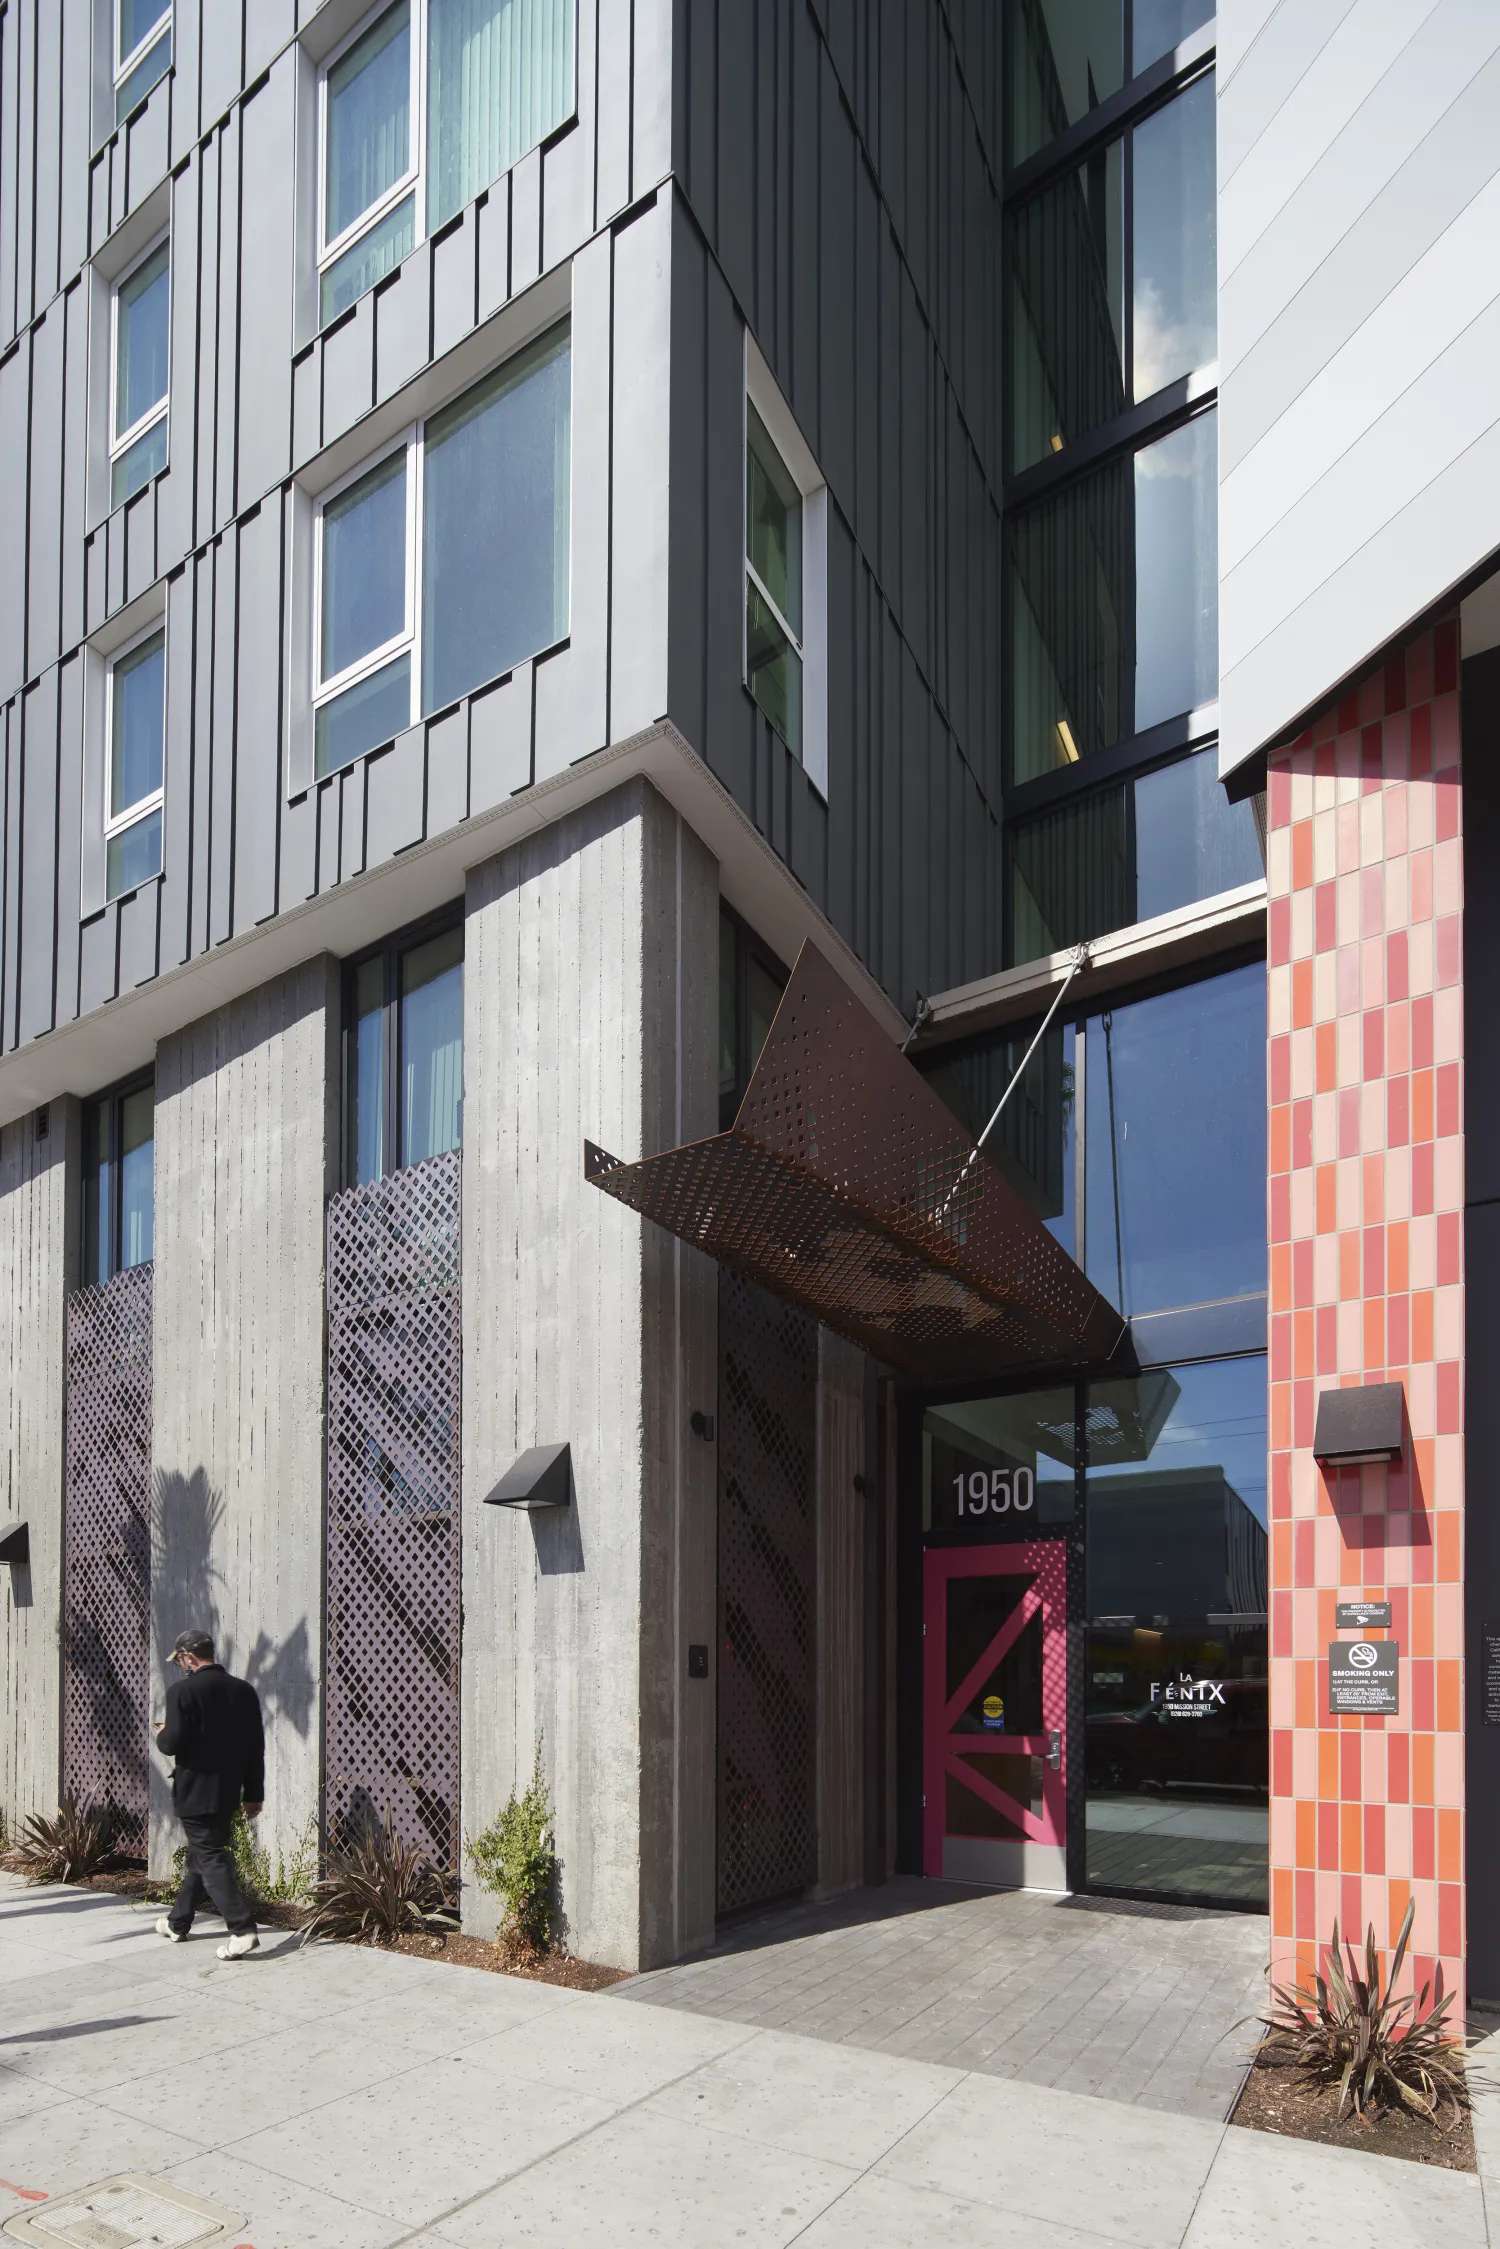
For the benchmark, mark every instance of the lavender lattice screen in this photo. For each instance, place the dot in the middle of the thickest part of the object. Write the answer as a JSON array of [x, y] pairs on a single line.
[[394, 1364], [107, 1550], [768, 1373]]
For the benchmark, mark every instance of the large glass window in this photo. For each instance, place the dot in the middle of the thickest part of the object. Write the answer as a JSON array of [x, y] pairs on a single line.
[[135, 735], [1176, 1711], [143, 51], [403, 1053], [751, 982], [139, 382], [1123, 854], [773, 583], [1114, 602], [118, 1189], [1174, 238], [1065, 57], [1175, 1145], [999, 1468], [1097, 316], [1169, 1146], [413, 615], [1033, 1144], [398, 162]]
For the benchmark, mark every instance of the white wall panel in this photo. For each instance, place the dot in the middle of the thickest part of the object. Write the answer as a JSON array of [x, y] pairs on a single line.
[[1359, 321]]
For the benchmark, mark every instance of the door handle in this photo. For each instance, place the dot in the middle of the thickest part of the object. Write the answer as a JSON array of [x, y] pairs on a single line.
[[1054, 1749]]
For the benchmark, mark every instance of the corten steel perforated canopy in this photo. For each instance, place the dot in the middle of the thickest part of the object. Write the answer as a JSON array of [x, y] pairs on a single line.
[[841, 1185]]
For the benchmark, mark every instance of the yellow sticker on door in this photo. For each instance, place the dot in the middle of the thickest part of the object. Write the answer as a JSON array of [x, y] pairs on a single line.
[[994, 1714]]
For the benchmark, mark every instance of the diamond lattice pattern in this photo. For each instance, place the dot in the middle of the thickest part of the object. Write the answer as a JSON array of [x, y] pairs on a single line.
[[767, 1433], [107, 1550], [394, 1361]]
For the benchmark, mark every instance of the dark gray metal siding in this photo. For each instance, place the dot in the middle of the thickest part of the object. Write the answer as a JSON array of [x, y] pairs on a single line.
[[838, 195]]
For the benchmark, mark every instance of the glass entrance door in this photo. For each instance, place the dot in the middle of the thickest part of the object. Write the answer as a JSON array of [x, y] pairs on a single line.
[[995, 1714]]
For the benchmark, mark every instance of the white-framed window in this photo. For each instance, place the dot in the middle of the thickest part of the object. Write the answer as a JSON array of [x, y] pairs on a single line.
[[135, 712], [140, 374], [419, 110], [786, 573], [443, 562], [142, 51]]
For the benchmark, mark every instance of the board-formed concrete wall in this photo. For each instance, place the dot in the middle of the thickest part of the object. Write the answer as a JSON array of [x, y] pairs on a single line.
[[38, 1267], [590, 1011], [843, 1513], [246, 1109]]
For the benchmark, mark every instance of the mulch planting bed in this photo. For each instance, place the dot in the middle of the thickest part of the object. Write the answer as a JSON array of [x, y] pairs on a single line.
[[460, 1951], [478, 1952], [1276, 2099]]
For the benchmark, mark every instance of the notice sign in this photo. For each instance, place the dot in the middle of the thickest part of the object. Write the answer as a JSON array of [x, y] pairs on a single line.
[[1363, 1616], [1492, 1674], [1362, 1676]]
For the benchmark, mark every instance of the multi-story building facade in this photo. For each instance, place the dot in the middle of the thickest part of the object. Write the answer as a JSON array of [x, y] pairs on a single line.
[[526, 512]]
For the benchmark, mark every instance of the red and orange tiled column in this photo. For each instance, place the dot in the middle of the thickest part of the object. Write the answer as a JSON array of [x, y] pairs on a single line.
[[1366, 1187]]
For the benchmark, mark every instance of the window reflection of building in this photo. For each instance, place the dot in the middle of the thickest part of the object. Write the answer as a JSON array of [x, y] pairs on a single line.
[[1168, 1144]]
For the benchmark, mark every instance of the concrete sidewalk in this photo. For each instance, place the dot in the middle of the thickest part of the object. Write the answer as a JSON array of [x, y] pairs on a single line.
[[342, 2099]]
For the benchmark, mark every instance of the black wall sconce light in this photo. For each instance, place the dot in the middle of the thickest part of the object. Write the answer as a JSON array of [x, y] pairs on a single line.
[[1355, 1427], [702, 1425], [541, 1477], [15, 1544]]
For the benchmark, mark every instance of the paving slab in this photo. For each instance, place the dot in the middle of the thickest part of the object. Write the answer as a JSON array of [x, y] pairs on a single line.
[[349, 2099], [1265, 2192], [1108, 2168], [645, 2177], [1076, 1992]]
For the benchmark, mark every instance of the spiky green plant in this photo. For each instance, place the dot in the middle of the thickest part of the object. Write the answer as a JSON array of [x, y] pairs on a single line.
[[1351, 2029], [377, 1889], [515, 1860], [68, 1845]]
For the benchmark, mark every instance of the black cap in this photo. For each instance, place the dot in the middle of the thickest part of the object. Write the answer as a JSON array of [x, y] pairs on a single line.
[[194, 1644]]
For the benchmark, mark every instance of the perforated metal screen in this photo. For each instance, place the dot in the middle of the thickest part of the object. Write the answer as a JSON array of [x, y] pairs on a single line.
[[394, 1361], [107, 1550], [767, 1443]]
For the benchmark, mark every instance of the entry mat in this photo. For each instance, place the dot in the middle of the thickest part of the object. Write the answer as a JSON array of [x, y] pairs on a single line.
[[125, 2213]]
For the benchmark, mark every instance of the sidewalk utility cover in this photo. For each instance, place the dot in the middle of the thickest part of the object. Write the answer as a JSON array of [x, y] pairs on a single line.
[[125, 2213]]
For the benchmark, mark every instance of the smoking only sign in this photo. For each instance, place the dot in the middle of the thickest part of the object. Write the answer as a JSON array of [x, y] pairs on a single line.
[[1362, 1678]]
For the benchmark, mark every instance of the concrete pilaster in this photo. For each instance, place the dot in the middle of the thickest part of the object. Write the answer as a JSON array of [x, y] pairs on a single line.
[[38, 1267], [246, 1109], [590, 1011]]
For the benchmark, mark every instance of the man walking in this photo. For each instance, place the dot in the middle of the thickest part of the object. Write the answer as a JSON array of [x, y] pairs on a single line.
[[213, 1729]]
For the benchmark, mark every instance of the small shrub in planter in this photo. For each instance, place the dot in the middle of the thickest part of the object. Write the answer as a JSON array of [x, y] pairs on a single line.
[[377, 1890], [290, 1882], [515, 1861], [74, 1842], [1346, 2029]]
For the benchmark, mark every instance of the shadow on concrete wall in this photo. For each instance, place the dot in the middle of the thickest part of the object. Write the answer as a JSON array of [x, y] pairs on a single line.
[[187, 1519]]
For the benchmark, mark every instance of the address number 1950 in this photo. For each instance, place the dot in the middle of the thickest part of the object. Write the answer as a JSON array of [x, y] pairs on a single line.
[[994, 1491]]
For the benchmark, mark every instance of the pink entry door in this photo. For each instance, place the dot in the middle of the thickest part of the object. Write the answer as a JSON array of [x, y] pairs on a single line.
[[995, 1714]]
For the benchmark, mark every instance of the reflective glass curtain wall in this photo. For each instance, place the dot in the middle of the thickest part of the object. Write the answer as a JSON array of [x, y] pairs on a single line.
[[1111, 585], [1154, 1180]]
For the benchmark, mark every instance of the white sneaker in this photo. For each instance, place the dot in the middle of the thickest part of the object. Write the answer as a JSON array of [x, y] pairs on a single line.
[[165, 1929], [238, 1947]]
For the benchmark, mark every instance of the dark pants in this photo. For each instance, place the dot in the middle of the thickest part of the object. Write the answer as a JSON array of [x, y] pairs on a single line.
[[209, 1874]]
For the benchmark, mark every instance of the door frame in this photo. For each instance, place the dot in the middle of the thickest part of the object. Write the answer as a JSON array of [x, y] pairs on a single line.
[[1039, 1860]]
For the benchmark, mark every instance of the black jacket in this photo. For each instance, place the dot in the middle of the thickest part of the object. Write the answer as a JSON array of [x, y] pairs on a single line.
[[214, 1731]]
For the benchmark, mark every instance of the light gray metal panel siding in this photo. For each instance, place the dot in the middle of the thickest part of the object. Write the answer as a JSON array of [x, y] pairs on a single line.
[[1359, 163]]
